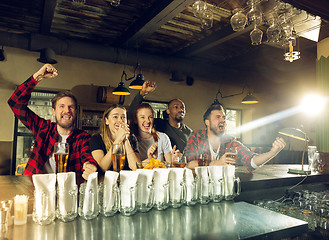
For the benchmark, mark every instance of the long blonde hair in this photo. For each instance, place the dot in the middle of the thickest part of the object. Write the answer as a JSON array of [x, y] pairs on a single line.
[[104, 130]]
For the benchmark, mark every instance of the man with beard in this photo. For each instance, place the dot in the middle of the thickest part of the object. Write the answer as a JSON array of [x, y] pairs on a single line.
[[211, 143], [46, 133], [174, 127]]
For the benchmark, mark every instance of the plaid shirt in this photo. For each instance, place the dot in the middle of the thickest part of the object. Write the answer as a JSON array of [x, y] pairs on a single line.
[[198, 144], [45, 134]]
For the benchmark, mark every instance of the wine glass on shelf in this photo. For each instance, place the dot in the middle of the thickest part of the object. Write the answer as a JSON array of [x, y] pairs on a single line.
[[118, 157], [61, 154]]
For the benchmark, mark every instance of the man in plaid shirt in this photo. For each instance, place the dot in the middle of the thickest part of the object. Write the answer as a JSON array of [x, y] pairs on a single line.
[[46, 133], [212, 142]]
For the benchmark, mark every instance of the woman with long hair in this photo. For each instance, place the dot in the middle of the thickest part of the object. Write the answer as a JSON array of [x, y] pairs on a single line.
[[114, 130], [151, 143]]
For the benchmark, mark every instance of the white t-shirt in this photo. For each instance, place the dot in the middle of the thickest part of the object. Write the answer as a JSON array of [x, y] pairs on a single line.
[[50, 166], [164, 146]]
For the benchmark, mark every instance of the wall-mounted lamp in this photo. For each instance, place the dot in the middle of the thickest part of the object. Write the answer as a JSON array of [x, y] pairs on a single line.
[[2, 54], [47, 55], [121, 89], [249, 99]]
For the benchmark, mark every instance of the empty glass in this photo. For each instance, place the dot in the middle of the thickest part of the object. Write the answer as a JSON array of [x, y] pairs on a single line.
[[238, 20], [88, 201], [177, 187], [110, 199], [254, 15], [204, 186], [310, 153], [44, 208], [67, 204], [198, 7], [256, 36], [207, 18], [127, 200]]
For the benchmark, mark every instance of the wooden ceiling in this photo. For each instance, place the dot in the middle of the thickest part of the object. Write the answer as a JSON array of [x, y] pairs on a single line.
[[162, 29]]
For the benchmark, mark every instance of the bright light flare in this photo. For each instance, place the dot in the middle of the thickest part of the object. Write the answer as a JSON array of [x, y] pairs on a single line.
[[313, 104]]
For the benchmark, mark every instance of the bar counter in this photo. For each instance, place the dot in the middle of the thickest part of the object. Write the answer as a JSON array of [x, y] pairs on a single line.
[[225, 220]]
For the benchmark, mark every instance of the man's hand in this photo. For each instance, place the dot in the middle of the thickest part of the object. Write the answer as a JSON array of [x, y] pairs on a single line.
[[278, 145], [88, 168], [147, 87], [224, 160], [46, 71], [175, 154]]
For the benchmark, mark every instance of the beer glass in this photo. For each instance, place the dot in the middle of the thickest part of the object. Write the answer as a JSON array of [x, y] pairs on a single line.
[[61, 153], [179, 162], [232, 152], [118, 157]]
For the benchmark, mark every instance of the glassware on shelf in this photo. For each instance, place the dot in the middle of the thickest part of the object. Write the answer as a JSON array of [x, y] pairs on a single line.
[[238, 20], [273, 32], [254, 15], [206, 19], [256, 36], [198, 7]]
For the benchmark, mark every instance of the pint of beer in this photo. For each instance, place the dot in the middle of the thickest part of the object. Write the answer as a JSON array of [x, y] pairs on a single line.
[[118, 162], [118, 157], [61, 153]]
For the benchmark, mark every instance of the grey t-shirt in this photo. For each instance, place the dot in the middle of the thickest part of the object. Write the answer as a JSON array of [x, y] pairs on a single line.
[[164, 146]]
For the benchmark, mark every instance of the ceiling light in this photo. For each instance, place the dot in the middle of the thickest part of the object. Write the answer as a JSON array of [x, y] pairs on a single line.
[[121, 90], [249, 99], [47, 55], [138, 82]]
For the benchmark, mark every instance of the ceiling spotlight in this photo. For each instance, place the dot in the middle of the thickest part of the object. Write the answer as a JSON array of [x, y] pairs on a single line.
[[47, 55]]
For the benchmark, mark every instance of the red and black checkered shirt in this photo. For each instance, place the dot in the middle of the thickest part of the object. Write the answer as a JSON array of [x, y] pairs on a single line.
[[198, 144], [45, 134]]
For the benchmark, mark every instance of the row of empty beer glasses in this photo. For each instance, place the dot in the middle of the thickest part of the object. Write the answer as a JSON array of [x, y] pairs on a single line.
[[162, 188]]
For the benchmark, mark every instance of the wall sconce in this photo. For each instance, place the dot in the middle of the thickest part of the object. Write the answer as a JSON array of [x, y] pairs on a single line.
[[249, 99], [291, 55], [47, 55], [2, 54]]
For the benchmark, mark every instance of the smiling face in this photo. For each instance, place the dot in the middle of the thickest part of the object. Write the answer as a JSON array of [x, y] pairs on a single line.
[[145, 120], [216, 123], [115, 118], [65, 112], [176, 110]]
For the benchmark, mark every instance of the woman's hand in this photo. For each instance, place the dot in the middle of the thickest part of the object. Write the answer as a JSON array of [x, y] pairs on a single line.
[[88, 168], [122, 133], [152, 152]]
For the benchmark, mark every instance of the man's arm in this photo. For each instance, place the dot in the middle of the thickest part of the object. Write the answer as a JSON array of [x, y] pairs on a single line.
[[19, 100], [263, 158]]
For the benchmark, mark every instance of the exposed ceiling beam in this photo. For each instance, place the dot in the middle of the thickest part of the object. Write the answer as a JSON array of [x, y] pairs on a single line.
[[211, 41], [47, 16], [160, 13]]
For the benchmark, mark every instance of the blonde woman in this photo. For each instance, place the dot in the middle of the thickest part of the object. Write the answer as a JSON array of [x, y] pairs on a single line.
[[114, 130]]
